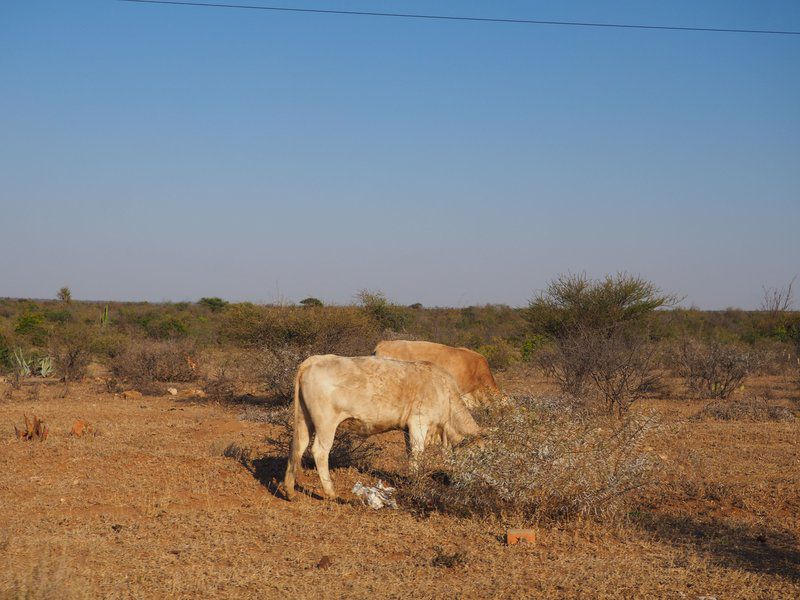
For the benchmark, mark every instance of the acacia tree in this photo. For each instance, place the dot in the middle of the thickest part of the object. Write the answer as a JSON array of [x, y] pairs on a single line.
[[599, 333]]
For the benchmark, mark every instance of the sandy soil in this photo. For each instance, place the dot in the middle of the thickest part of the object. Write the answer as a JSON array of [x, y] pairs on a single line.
[[149, 506]]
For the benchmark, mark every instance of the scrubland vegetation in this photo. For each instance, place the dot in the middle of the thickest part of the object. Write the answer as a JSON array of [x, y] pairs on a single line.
[[625, 415]]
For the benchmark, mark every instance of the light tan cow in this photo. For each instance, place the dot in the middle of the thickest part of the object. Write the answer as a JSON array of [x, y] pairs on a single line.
[[469, 368], [381, 394]]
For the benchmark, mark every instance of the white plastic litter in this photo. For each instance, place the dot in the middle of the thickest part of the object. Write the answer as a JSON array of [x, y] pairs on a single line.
[[377, 497]]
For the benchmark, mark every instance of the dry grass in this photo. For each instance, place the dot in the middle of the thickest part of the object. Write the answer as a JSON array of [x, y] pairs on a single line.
[[145, 509]]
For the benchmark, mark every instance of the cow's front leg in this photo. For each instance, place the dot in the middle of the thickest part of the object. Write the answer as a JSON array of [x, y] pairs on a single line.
[[417, 434]]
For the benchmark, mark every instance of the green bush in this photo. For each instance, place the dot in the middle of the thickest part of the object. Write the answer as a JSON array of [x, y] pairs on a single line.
[[311, 302], [388, 316], [161, 326], [31, 325], [532, 346], [573, 303], [500, 354], [214, 304]]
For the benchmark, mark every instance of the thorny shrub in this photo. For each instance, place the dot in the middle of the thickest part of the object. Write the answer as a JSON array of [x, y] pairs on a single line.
[[540, 460], [612, 366], [751, 408], [145, 363], [277, 367], [712, 369]]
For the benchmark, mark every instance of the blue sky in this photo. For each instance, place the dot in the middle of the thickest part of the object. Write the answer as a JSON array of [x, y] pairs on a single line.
[[160, 152]]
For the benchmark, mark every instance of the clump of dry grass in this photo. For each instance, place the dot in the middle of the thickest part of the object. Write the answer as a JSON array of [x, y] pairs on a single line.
[[752, 408], [540, 460], [145, 364]]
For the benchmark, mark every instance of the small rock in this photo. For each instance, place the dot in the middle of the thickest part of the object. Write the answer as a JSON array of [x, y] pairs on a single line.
[[520, 536], [172, 391], [325, 562], [131, 395]]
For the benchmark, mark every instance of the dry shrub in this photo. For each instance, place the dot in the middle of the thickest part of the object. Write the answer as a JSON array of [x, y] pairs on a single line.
[[146, 363], [540, 460], [751, 408], [773, 358], [712, 369], [276, 368], [613, 366], [221, 387], [71, 347]]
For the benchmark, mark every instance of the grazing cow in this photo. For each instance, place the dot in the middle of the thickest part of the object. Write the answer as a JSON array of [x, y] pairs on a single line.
[[470, 369], [381, 394]]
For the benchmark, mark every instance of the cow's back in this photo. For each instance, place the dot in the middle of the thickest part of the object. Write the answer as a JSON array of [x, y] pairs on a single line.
[[469, 368], [381, 392]]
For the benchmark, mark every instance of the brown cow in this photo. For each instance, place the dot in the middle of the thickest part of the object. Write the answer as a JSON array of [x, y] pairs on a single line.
[[381, 394], [470, 369]]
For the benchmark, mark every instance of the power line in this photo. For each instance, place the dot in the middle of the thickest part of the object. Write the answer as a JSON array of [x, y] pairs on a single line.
[[456, 18]]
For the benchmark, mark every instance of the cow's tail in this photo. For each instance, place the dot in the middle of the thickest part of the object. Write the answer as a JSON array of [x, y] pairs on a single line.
[[300, 436], [299, 413]]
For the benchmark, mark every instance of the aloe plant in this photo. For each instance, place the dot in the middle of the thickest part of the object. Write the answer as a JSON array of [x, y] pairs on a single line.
[[22, 363], [46, 367]]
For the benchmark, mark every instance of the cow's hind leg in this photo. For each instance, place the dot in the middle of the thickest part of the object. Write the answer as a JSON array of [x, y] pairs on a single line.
[[300, 440], [321, 448]]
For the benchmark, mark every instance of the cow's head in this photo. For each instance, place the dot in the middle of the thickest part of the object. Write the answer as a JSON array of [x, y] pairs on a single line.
[[460, 425]]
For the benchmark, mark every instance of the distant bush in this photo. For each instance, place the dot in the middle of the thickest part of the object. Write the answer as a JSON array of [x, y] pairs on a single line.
[[712, 369], [311, 302], [58, 316], [386, 315], [31, 325], [540, 461], [500, 354], [214, 304], [143, 364], [5, 352], [342, 330], [71, 347], [573, 303], [161, 326]]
